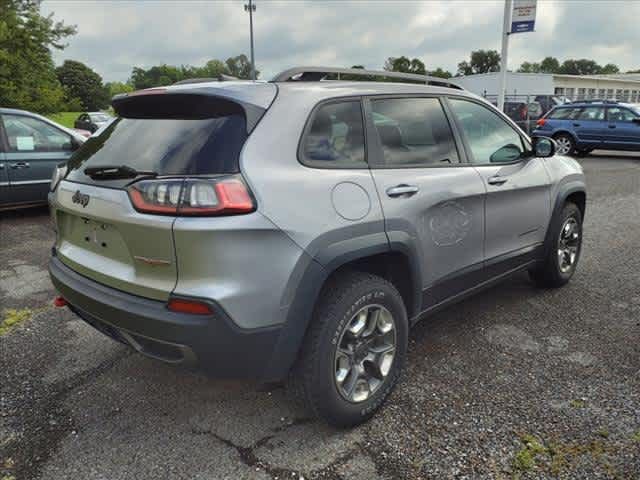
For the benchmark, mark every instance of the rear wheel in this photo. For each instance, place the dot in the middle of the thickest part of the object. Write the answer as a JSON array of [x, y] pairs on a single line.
[[563, 252], [566, 144], [354, 351]]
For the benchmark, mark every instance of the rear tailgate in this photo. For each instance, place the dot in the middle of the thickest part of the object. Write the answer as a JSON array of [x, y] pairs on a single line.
[[108, 241], [163, 136]]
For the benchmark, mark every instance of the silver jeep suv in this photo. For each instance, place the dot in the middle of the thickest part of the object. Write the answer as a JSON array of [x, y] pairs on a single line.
[[295, 229]]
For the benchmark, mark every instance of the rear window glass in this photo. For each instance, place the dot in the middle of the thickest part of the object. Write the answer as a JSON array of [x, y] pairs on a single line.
[[592, 113], [335, 138], [166, 146], [565, 113]]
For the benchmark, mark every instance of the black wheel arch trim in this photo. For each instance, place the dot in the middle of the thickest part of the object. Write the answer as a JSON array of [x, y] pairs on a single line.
[[569, 188], [309, 284]]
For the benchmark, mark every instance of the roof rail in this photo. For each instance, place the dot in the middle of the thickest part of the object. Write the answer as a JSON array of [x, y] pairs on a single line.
[[220, 78], [311, 74], [614, 102]]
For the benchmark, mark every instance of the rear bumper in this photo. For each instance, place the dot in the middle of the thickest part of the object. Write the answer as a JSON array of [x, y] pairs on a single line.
[[213, 343]]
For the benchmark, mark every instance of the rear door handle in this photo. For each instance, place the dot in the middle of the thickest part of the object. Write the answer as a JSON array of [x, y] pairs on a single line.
[[17, 165], [497, 180], [400, 190], [612, 126], [576, 124]]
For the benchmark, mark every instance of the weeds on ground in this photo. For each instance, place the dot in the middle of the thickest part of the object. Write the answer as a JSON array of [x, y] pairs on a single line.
[[11, 318]]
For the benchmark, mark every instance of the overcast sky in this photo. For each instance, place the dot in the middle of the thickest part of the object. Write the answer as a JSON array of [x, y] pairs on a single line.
[[114, 36]]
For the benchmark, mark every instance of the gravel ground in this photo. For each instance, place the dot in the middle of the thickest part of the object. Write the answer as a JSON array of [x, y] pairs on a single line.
[[513, 383]]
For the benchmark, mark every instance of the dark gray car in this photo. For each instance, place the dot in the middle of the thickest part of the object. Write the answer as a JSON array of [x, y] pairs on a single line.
[[297, 228], [30, 148]]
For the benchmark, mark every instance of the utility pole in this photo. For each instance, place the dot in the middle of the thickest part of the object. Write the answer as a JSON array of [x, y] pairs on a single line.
[[506, 31], [251, 7]]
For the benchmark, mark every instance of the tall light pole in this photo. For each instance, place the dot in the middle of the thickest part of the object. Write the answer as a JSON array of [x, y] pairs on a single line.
[[251, 7], [506, 30]]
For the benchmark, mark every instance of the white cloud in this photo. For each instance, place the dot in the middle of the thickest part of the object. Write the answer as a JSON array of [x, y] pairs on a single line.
[[115, 36]]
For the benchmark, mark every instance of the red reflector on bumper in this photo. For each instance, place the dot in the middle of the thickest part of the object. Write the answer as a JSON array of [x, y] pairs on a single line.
[[60, 302], [189, 306]]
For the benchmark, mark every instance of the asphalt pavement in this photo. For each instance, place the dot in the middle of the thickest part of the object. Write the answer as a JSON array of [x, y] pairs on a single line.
[[516, 382]]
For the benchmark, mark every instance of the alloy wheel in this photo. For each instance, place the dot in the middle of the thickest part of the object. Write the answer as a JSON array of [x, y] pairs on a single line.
[[564, 145], [365, 353], [568, 244]]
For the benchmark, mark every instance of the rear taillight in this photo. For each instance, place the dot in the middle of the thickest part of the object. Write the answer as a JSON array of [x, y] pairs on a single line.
[[192, 196], [193, 307], [541, 122]]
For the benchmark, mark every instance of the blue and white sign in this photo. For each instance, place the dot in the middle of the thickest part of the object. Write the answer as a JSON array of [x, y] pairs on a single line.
[[523, 18]]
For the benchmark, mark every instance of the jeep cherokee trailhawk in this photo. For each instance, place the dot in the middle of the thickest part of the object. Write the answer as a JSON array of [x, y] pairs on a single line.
[[295, 229]]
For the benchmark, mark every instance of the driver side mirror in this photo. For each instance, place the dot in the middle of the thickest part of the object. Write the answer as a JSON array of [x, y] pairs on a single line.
[[543, 147], [636, 120]]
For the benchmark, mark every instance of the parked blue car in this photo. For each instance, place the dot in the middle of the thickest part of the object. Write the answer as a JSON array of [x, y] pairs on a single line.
[[30, 148], [581, 127]]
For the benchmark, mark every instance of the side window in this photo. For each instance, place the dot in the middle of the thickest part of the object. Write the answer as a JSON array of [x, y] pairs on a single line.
[[617, 114], [413, 132], [591, 113], [491, 139], [26, 134], [335, 138], [565, 113]]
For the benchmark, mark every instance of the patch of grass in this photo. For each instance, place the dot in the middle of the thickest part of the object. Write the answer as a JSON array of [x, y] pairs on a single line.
[[577, 403], [525, 459], [556, 457], [604, 433], [65, 118], [11, 318], [8, 477], [636, 437]]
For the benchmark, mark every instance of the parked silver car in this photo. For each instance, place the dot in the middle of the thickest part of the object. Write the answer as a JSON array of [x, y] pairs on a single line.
[[31, 146], [297, 228]]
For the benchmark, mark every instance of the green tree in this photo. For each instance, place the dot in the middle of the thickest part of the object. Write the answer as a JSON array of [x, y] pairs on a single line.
[[115, 88], [481, 61], [27, 72], [240, 67], [583, 66], [405, 65], [81, 82], [439, 72], [156, 76], [528, 67], [634, 71], [549, 65], [610, 68]]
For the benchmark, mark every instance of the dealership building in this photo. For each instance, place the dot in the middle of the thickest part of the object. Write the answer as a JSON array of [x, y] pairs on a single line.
[[621, 87]]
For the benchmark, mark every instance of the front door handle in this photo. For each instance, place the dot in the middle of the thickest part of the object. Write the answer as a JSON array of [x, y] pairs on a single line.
[[497, 180], [400, 190], [576, 124], [18, 165], [612, 126]]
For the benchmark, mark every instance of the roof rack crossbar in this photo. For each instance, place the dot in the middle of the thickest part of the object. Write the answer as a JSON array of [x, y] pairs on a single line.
[[320, 73]]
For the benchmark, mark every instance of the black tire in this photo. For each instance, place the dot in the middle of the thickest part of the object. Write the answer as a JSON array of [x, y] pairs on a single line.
[[568, 140], [550, 274], [313, 377], [583, 152]]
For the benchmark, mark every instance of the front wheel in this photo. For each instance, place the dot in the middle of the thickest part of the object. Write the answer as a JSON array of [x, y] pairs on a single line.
[[566, 144], [563, 251], [354, 351]]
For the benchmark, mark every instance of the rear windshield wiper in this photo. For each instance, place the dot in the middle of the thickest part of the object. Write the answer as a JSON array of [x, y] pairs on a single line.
[[112, 172]]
